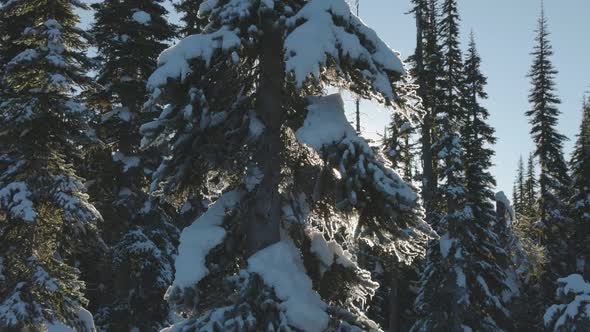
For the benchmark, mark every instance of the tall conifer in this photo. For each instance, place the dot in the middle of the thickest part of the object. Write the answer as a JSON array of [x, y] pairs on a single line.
[[129, 36], [580, 200], [553, 179], [47, 225]]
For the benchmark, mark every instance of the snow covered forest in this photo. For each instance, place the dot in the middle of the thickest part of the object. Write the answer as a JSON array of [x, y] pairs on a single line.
[[204, 176]]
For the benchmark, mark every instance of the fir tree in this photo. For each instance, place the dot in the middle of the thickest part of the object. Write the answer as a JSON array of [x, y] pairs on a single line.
[[580, 200], [553, 180], [47, 224], [477, 136], [279, 228], [519, 194], [129, 37], [465, 275], [192, 22], [427, 70], [398, 146]]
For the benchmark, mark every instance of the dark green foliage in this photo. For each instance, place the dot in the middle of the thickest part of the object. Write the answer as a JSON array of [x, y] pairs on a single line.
[[47, 225], [519, 191], [553, 180], [465, 284], [192, 22], [580, 200], [129, 36]]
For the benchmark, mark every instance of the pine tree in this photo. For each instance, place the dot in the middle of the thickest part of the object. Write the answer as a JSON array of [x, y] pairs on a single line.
[[553, 180], [193, 23], [284, 188], [580, 200], [129, 37], [465, 275], [47, 225]]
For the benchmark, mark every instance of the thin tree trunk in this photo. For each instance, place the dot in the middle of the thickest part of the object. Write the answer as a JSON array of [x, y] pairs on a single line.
[[262, 227], [394, 307], [428, 178]]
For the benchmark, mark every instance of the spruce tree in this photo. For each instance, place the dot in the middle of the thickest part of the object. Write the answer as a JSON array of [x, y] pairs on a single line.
[[129, 36], [519, 200], [580, 200], [553, 180], [47, 225], [426, 70], [276, 249], [465, 275], [192, 22]]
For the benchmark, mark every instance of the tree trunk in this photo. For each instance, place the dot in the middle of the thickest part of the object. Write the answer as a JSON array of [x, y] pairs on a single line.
[[428, 179], [394, 307], [263, 224]]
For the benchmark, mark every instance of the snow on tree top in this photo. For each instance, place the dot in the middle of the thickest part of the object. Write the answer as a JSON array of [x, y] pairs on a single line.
[[308, 46], [501, 197], [174, 62], [575, 284], [280, 266], [141, 17], [325, 123]]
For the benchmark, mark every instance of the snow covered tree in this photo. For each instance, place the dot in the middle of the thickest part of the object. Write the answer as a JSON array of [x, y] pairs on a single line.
[[297, 193], [580, 200], [554, 180], [572, 312], [464, 284], [47, 225], [129, 36], [189, 11], [12, 25]]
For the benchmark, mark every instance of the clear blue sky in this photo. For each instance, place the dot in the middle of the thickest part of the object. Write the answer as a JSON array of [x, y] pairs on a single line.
[[504, 32]]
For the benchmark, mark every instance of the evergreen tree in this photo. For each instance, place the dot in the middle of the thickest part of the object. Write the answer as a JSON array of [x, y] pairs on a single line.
[[570, 313], [398, 146], [519, 194], [464, 282], [47, 225], [553, 180], [193, 22], [427, 68], [580, 200], [12, 25], [129, 37], [296, 201]]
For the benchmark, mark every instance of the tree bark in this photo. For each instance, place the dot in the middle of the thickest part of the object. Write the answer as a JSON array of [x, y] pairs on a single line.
[[263, 224]]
